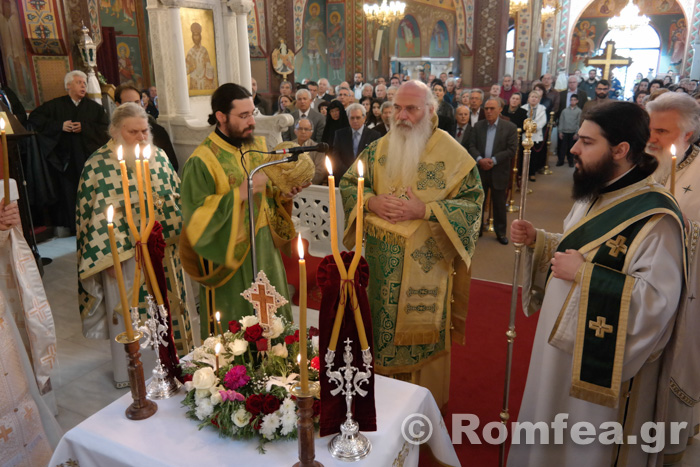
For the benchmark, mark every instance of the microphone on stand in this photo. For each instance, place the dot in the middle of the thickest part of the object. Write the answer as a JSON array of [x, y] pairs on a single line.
[[320, 147]]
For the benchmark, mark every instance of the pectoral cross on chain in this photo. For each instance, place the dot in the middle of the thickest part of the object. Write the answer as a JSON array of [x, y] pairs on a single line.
[[617, 246], [265, 299], [600, 327]]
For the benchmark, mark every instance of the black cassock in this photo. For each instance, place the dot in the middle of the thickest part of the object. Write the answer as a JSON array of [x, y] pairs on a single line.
[[65, 152]]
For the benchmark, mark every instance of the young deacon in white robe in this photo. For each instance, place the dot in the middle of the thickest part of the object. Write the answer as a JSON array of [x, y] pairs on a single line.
[[632, 239], [28, 429], [675, 121]]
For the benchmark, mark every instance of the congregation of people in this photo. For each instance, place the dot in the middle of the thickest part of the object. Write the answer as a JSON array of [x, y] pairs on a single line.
[[619, 278]]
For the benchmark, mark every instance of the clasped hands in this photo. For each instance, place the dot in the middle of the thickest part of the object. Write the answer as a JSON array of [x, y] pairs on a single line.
[[565, 265], [485, 163], [72, 127], [394, 209]]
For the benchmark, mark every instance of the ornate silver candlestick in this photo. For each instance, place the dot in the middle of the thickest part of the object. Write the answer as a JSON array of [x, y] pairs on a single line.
[[162, 386], [350, 444]]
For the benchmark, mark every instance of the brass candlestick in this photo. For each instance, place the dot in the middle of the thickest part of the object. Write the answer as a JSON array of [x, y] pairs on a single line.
[[487, 210], [512, 207], [530, 127], [545, 169], [305, 424], [141, 408]]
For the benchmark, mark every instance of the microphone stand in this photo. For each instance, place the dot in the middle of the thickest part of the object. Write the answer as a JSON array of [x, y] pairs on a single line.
[[251, 207]]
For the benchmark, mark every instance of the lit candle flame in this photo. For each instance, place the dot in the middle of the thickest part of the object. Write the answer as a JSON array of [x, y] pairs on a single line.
[[120, 153], [2, 124], [299, 359], [147, 152], [218, 316], [360, 169], [329, 166], [137, 149], [300, 247], [673, 149], [110, 214], [217, 348]]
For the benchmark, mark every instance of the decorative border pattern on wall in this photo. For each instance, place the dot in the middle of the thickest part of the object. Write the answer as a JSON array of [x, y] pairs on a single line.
[[299, 7], [94, 14], [256, 30], [43, 27], [359, 35], [692, 38], [522, 43], [464, 13], [562, 55]]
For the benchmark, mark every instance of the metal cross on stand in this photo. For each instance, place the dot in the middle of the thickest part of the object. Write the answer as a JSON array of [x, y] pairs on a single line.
[[608, 60]]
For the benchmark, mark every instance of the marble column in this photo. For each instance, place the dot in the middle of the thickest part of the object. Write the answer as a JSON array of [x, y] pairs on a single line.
[[232, 69], [180, 92], [241, 8]]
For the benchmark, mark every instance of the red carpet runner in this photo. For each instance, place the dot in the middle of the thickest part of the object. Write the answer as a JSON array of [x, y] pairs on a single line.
[[478, 368]]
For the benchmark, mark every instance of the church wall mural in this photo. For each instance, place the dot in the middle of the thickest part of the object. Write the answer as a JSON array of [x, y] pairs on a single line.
[[591, 28], [311, 61], [440, 41], [200, 50], [130, 68], [408, 43], [15, 56], [336, 42]]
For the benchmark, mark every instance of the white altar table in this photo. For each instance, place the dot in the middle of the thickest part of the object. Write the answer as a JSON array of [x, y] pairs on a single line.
[[168, 438]]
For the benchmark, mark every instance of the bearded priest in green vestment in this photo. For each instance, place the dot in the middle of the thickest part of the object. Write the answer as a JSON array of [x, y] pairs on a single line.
[[216, 244], [101, 186], [423, 199]]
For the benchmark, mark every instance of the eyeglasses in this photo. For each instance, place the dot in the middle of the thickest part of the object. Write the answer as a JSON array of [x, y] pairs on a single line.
[[244, 115], [303, 129], [409, 108]]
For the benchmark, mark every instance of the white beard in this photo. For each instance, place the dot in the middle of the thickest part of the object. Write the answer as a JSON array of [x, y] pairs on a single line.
[[663, 171], [406, 145], [128, 150]]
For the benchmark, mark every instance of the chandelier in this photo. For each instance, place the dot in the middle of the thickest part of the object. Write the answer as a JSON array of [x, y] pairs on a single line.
[[516, 6], [629, 19], [547, 12], [384, 14]]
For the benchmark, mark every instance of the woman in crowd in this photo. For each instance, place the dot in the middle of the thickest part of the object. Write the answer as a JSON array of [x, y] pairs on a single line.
[[374, 116], [445, 111], [335, 120]]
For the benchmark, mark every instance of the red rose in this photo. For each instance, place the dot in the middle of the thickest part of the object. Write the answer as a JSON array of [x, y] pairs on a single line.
[[270, 404], [314, 332], [289, 340], [262, 345], [234, 326], [317, 407], [187, 378], [296, 335], [253, 333], [254, 404], [315, 363], [256, 422]]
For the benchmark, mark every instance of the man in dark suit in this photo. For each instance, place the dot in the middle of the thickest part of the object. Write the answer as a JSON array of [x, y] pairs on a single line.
[[492, 144], [349, 142], [462, 119], [571, 90], [304, 110], [387, 109]]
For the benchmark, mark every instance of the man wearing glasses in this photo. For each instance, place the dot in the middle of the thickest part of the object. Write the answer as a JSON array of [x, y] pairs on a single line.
[[214, 196], [423, 203], [303, 130]]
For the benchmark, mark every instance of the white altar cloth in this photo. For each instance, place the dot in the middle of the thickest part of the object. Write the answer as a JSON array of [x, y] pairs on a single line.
[[168, 438]]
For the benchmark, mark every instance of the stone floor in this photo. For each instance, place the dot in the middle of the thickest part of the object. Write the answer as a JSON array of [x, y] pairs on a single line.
[[83, 382]]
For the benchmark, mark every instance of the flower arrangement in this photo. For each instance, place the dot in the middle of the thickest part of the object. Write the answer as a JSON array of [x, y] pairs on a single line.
[[248, 397]]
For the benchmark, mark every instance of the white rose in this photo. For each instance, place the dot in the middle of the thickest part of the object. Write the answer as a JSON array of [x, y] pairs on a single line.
[[204, 378], [189, 386], [215, 398], [279, 350], [248, 321], [199, 354], [241, 417], [210, 342], [314, 343], [238, 347], [200, 394], [277, 327]]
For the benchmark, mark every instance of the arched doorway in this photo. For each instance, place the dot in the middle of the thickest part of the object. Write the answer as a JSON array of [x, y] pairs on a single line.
[[643, 46]]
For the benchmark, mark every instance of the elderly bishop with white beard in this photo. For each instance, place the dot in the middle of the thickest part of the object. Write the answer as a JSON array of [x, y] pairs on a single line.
[[100, 187], [422, 208]]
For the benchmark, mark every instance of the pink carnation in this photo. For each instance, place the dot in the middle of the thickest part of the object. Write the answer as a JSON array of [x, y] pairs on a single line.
[[231, 395], [236, 377]]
